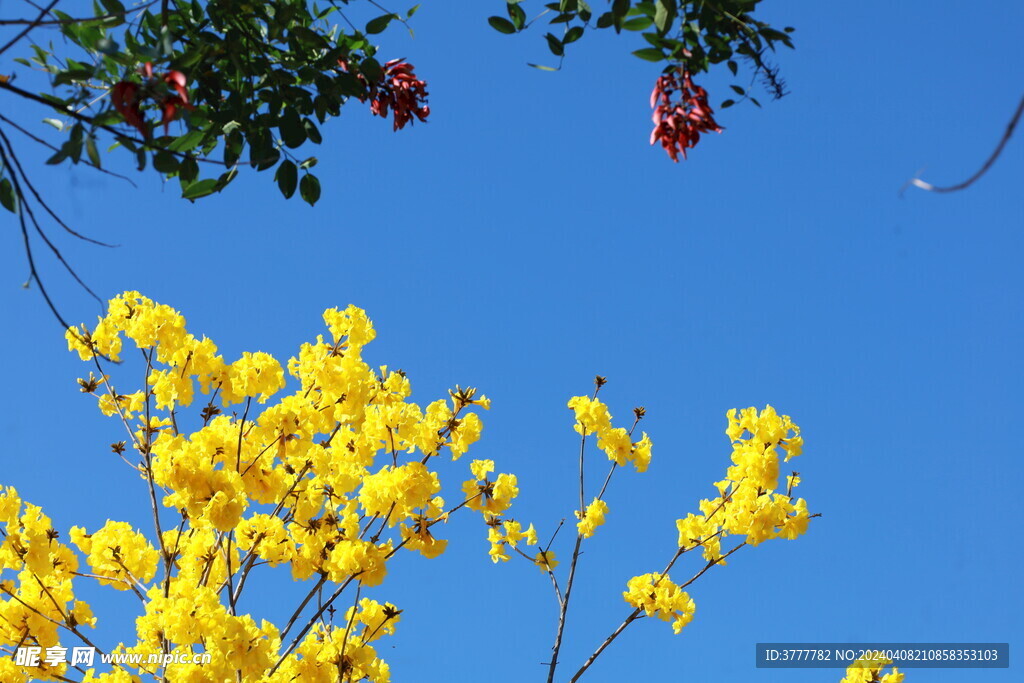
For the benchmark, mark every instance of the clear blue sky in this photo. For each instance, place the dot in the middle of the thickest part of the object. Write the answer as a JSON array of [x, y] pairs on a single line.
[[527, 238]]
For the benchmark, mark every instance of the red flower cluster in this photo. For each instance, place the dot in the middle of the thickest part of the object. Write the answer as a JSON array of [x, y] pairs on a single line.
[[128, 97], [678, 123], [398, 90], [403, 92]]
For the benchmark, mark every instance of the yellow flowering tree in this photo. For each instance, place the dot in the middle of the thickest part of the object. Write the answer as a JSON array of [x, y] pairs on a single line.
[[334, 480]]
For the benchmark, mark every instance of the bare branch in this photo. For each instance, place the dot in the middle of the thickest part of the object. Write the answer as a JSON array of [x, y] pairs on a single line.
[[25, 31], [1007, 134]]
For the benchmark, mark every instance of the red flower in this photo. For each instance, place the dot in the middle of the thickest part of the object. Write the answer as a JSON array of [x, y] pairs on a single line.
[[678, 122], [125, 98], [406, 94], [169, 107], [177, 80], [398, 90]]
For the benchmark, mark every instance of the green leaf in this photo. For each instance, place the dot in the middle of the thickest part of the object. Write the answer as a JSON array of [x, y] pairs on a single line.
[[620, 7], [308, 163], [517, 14], [287, 178], [738, 90], [165, 162], [651, 54], [501, 24], [292, 131], [555, 45], [199, 188], [268, 158], [309, 189], [91, 151], [572, 35], [541, 67], [664, 15], [379, 25], [371, 68], [638, 24], [7, 196], [59, 125], [727, 103], [188, 171], [233, 144], [60, 156], [186, 142], [312, 132], [112, 6], [224, 179], [412, 10]]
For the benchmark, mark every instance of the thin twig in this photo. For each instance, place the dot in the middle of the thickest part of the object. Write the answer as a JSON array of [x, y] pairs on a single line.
[[635, 614], [33, 272], [572, 574], [25, 31], [1007, 134], [54, 148]]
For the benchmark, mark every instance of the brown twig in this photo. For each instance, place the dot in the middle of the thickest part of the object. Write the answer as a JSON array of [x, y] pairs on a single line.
[[28, 28], [635, 614], [1007, 134]]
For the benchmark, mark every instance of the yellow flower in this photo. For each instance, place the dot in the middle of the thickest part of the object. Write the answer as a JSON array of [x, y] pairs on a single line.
[[118, 553], [592, 416], [481, 468], [658, 596], [545, 559], [497, 541], [641, 455], [465, 434], [514, 533], [591, 518]]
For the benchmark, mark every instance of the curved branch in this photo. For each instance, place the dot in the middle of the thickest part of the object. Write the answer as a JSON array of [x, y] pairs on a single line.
[[1007, 134], [33, 273]]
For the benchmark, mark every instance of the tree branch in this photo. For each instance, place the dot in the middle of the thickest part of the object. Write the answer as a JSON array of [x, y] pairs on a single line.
[[1007, 134], [25, 31]]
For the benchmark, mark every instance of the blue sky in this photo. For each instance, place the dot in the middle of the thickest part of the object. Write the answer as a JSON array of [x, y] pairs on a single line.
[[528, 238]]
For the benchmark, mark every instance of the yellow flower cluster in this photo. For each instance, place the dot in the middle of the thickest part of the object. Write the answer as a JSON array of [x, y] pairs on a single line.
[[592, 417], [492, 498], [190, 617], [747, 504], [38, 599], [591, 518], [118, 553], [868, 669], [658, 596], [508, 532], [331, 480]]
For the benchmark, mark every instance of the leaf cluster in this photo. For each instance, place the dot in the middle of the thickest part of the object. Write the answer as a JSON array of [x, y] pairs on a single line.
[[262, 78], [694, 34]]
